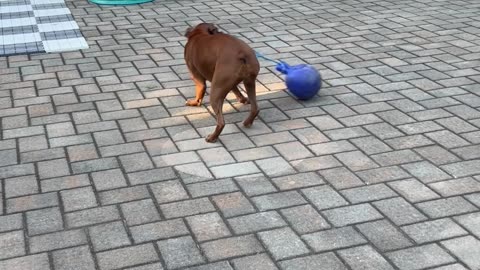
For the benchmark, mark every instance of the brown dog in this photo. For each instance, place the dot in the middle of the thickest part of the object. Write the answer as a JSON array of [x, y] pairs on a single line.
[[225, 61]]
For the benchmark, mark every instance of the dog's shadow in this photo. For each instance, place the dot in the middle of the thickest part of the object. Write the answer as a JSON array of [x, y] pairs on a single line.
[[280, 113]]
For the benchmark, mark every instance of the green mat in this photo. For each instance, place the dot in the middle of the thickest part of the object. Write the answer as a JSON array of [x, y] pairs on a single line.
[[119, 2]]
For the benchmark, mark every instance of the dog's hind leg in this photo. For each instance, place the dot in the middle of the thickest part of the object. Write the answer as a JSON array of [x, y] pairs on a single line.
[[222, 83], [252, 97], [216, 100]]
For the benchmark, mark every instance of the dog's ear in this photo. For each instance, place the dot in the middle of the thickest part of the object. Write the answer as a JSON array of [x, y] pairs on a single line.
[[212, 29], [188, 31]]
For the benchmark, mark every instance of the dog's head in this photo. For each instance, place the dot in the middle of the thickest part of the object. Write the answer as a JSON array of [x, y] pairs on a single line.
[[205, 28]]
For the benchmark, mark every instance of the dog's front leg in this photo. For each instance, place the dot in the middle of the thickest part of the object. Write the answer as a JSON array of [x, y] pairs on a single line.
[[240, 97], [200, 89]]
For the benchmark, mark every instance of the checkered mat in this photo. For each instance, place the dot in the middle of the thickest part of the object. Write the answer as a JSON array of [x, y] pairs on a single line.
[[28, 26]]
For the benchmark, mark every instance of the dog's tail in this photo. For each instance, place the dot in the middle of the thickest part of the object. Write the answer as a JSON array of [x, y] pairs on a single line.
[[250, 64]]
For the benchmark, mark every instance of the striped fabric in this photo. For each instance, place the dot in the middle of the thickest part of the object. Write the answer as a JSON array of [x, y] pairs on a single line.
[[30, 26]]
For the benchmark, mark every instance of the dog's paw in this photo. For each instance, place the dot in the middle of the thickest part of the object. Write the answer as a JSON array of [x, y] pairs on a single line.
[[243, 100], [211, 138], [192, 102], [247, 124]]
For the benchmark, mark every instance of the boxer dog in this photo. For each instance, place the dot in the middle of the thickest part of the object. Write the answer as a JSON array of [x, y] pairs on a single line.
[[225, 61]]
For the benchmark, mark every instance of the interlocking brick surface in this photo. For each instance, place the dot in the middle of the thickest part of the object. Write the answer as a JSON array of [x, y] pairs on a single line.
[[364, 257], [34, 262], [57, 240], [256, 222], [324, 197], [466, 249], [11, 222], [383, 235], [108, 235], [430, 231], [231, 247], [19, 186], [208, 226], [79, 198], [446, 207], [158, 230], [102, 166], [420, 257], [44, 221], [73, 258], [92, 216], [305, 219], [128, 256], [139, 212], [399, 211], [180, 252], [334, 239], [12, 244], [260, 262], [283, 243], [328, 260]]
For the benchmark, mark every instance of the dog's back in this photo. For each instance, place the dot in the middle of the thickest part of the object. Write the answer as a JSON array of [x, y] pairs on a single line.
[[236, 49], [208, 51]]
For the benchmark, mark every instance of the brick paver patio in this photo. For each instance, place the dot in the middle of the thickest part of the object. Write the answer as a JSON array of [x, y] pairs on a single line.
[[103, 167]]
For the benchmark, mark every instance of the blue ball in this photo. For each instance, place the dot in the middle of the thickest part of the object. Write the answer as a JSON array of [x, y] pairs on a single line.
[[303, 81]]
